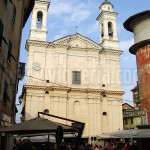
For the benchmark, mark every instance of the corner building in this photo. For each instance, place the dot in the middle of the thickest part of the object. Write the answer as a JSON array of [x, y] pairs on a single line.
[[74, 77], [13, 17]]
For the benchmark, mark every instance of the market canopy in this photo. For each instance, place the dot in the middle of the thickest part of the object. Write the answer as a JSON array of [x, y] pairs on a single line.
[[36, 125], [139, 133]]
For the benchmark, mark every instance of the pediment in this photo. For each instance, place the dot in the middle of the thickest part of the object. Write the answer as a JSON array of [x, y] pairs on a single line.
[[77, 40]]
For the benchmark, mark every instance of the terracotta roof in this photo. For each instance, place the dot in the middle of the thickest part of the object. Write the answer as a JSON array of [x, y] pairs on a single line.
[[135, 88], [127, 104]]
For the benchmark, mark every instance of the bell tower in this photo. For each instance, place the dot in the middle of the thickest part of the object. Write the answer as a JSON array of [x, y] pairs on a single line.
[[39, 20], [107, 26]]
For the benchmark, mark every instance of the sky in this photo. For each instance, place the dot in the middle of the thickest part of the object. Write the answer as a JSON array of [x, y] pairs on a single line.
[[64, 15]]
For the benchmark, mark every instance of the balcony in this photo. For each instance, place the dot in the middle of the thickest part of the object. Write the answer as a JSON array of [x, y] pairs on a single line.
[[132, 113], [21, 70]]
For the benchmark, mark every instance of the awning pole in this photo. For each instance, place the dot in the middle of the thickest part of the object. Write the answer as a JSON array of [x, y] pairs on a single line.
[[79, 136], [48, 141]]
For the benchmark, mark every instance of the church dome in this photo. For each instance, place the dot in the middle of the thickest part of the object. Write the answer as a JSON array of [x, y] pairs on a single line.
[[106, 2]]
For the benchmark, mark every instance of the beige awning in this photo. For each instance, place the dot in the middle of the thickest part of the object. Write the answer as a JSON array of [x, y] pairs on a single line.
[[141, 133], [36, 125]]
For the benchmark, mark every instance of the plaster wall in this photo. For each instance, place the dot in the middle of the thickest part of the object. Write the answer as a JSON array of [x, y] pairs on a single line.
[[141, 31]]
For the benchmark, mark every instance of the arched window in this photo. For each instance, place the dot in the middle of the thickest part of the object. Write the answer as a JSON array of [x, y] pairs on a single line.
[[110, 29], [102, 30], [76, 110], [39, 19]]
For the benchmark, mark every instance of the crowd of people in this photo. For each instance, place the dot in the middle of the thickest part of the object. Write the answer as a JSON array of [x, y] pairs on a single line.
[[114, 146], [66, 146]]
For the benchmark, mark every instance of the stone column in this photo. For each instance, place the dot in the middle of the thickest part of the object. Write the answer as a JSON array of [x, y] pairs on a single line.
[[139, 24]]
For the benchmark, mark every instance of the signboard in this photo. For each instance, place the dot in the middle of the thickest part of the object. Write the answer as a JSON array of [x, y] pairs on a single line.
[[6, 118], [144, 120]]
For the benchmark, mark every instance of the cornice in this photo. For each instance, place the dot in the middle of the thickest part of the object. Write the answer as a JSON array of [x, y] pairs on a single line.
[[35, 43], [52, 45], [106, 13], [111, 52], [119, 93], [79, 90], [32, 87], [83, 49], [72, 90], [60, 88]]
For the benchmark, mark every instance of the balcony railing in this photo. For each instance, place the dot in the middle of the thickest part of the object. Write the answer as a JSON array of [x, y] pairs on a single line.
[[132, 113], [21, 70]]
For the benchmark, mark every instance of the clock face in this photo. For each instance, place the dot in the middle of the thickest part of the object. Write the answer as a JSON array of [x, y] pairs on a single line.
[[36, 66]]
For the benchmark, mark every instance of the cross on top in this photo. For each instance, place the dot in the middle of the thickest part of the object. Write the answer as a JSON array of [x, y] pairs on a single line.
[[76, 29]]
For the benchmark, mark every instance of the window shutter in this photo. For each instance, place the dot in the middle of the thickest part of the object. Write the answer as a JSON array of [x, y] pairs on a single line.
[[5, 95], [14, 16], [11, 1], [76, 77], [1, 31], [5, 1], [9, 51]]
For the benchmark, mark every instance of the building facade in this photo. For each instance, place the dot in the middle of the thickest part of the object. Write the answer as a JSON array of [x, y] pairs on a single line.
[[139, 24], [132, 117], [136, 97], [74, 77], [13, 16]]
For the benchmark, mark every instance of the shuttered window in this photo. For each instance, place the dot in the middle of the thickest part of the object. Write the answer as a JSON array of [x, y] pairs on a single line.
[[1, 31], [76, 77], [14, 16], [5, 95], [5, 2], [9, 51], [126, 121]]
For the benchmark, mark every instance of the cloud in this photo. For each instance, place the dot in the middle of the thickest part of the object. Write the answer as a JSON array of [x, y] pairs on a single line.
[[93, 28], [127, 57], [51, 25], [128, 70], [90, 29], [58, 8], [74, 11], [125, 45], [60, 35], [119, 28], [66, 15]]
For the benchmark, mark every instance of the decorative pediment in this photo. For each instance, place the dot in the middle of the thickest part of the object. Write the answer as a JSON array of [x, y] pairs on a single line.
[[77, 40]]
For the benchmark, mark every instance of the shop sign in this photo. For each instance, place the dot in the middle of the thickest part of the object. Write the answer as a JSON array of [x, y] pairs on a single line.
[[6, 118]]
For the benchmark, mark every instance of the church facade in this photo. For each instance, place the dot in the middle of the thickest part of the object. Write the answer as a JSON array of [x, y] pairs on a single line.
[[74, 77]]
